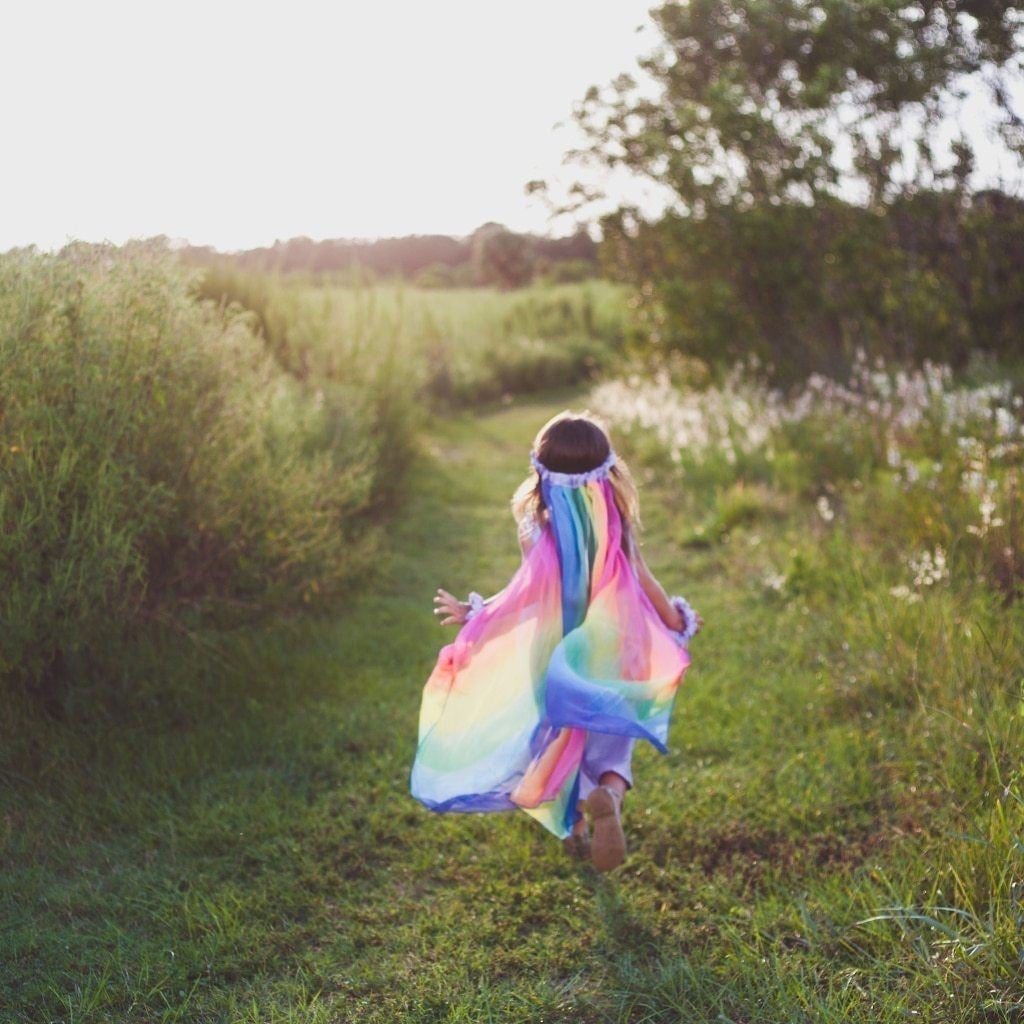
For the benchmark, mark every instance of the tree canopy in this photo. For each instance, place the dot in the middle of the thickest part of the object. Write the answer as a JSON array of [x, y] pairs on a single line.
[[759, 101]]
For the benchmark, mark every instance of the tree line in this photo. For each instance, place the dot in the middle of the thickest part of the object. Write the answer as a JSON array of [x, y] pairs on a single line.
[[491, 255]]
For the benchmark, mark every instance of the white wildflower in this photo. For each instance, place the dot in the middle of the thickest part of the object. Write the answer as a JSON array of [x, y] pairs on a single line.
[[987, 507], [740, 417], [929, 568], [903, 593]]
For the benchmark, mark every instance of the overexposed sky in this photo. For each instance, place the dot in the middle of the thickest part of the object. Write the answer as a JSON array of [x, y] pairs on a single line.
[[233, 124]]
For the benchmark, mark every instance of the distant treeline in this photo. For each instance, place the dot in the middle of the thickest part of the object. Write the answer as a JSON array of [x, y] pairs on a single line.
[[491, 255]]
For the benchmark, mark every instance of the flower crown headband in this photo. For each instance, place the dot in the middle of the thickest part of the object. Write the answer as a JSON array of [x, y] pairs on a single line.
[[572, 479]]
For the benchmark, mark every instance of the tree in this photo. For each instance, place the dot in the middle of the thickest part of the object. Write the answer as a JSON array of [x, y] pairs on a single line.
[[759, 101], [501, 257], [813, 212]]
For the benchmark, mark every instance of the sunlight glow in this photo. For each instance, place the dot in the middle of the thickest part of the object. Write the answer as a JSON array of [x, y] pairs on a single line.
[[233, 124]]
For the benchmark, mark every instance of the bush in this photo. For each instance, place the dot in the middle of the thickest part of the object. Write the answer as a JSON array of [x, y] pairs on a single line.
[[934, 275], [929, 463], [156, 462]]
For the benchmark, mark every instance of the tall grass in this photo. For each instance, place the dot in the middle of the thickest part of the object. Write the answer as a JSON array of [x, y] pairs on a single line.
[[463, 346], [833, 836], [197, 447], [157, 463], [837, 832], [897, 572]]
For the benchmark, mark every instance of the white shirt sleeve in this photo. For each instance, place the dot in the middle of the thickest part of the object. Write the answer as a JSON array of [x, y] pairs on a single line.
[[529, 529]]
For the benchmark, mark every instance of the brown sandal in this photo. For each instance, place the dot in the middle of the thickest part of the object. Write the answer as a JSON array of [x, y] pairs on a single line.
[[608, 847]]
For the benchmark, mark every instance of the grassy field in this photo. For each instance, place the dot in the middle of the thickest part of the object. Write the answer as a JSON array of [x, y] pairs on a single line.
[[181, 447], [455, 346], [239, 844]]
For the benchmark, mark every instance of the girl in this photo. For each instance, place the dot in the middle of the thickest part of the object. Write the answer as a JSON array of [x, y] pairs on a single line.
[[537, 702]]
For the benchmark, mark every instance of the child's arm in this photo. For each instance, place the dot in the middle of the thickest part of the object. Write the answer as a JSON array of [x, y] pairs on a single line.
[[669, 613]]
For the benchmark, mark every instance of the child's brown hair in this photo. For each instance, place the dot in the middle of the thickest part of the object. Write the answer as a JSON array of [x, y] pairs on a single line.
[[570, 443]]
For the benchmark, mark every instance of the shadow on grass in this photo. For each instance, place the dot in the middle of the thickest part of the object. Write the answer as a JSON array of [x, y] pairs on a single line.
[[648, 981], [624, 931]]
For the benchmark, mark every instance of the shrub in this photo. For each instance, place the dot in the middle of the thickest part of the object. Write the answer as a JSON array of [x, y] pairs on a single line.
[[156, 462], [933, 275], [929, 462]]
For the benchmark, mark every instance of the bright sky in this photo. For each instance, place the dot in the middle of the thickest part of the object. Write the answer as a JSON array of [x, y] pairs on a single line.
[[233, 124]]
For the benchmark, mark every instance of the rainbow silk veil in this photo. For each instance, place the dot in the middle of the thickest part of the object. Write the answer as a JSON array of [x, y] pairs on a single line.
[[571, 644]]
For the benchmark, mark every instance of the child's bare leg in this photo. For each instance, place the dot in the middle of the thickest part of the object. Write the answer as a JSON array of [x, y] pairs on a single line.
[[577, 843], [580, 827]]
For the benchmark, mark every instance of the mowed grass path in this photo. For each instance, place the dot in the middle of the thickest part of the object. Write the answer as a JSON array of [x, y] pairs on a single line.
[[249, 851]]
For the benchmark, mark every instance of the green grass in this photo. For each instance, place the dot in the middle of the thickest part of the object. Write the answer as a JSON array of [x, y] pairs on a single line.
[[158, 465], [237, 842], [458, 346]]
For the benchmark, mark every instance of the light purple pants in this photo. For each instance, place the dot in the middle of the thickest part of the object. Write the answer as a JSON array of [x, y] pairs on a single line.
[[605, 752]]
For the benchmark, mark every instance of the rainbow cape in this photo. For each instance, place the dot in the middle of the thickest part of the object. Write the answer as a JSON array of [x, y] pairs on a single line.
[[571, 644]]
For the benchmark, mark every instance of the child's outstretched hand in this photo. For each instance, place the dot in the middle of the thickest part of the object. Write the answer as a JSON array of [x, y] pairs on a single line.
[[682, 621], [450, 606]]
